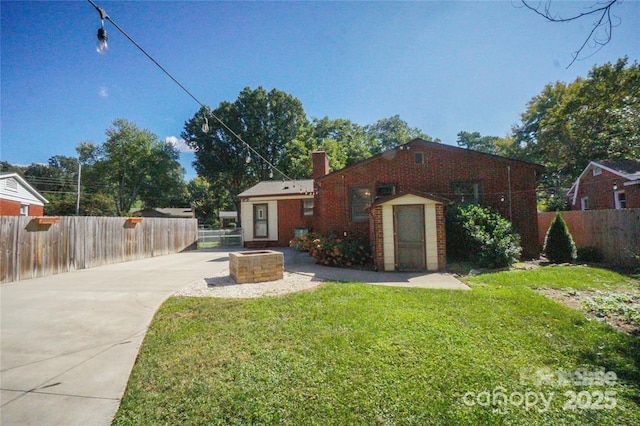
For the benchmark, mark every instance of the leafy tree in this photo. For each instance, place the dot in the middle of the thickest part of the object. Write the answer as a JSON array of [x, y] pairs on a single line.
[[205, 200], [388, 133], [558, 243], [344, 142], [568, 125], [266, 121], [473, 140], [133, 164]]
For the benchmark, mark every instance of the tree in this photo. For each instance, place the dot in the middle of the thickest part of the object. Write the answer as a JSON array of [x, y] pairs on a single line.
[[388, 133], [265, 121], [477, 142], [568, 125], [133, 164], [344, 141], [206, 201], [602, 27], [558, 243]]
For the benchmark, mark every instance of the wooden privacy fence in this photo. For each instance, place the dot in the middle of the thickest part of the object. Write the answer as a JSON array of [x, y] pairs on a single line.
[[615, 233], [34, 247]]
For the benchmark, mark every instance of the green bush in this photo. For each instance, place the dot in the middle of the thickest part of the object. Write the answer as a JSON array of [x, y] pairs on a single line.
[[342, 252], [589, 254], [558, 243], [482, 236], [304, 242]]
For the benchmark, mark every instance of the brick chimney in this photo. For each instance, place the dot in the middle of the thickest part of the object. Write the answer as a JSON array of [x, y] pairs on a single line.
[[320, 164]]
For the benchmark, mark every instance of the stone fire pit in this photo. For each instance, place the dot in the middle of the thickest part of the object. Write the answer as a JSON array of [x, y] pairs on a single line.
[[256, 266]]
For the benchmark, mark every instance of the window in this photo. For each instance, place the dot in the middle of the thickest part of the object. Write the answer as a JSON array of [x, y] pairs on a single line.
[[418, 157], [360, 201], [261, 220], [468, 192], [385, 190], [24, 210], [620, 199], [307, 207], [584, 203], [597, 171]]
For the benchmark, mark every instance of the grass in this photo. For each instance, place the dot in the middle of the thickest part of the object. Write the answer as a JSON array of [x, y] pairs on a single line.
[[361, 354]]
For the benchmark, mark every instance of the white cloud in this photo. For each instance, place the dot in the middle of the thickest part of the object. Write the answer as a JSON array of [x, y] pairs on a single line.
[[180, 144], [104, 93]]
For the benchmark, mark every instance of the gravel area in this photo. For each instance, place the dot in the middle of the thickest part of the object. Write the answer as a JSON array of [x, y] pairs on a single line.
[[222, 285]]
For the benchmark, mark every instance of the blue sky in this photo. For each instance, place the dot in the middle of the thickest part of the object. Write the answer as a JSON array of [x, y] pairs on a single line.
[[442, 66]]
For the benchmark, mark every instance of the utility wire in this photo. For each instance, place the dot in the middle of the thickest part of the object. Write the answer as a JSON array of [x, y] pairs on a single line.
[[103, 15]]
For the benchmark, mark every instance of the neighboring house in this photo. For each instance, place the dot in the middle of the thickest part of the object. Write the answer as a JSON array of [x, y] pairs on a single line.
[[271, 211], [227, 218], [18, 198], [170, 213], [607, 184], [396, 200]]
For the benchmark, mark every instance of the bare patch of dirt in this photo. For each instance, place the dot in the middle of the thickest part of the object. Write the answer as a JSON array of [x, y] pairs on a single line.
[[576, 299]]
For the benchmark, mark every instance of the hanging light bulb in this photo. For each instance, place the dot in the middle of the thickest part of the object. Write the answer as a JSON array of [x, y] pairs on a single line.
[[248, 159], [270, 173], [102, 46], [205, 125]]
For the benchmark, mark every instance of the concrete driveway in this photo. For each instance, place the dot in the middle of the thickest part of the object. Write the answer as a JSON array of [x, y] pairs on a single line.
[[69, 341]]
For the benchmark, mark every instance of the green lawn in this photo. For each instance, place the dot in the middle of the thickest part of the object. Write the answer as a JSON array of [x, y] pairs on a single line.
[[361, 354]]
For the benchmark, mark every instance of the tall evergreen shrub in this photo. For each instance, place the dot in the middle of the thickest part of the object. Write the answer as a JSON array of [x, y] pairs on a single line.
[[558, 243]]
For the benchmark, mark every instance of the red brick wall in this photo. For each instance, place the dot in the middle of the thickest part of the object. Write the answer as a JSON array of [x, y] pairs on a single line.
[[36, 210], [290, 216], [9, 208], [12, 208], [442, 237], [599, 189], [443, 165]]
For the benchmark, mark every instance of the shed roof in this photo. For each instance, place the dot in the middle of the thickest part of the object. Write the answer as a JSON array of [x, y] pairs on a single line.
[[279, 188], [24, 184]]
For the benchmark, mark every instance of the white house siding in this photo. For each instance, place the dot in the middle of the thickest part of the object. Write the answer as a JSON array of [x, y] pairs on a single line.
[[20, 194], [246, 213]]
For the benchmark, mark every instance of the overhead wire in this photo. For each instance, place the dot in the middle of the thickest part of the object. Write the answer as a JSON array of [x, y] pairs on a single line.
[[104, 15]]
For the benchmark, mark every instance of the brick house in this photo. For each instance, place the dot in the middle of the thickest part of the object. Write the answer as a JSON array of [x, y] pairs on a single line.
[[396, 200], [371, 199], [607, 184], [18, 198], [271, 211]]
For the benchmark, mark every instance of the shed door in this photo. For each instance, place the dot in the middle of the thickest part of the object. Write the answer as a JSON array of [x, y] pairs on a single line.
[[408, 222]]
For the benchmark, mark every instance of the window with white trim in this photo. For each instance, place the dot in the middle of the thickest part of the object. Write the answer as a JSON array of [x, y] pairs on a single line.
[[307, 207], [467, 192], [620, 198], [24, 210], [584, 203]]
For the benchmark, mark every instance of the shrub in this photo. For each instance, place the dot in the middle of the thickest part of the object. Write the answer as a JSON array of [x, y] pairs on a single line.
[[589, 254], [341, 252], [304, 242], [481, 235], [558, 243]]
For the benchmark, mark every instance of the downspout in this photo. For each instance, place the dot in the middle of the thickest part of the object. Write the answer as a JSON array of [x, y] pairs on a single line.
[[509, 182]]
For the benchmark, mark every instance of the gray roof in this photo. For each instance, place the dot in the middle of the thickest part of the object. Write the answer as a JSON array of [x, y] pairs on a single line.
[[276, 188], [629, 169]]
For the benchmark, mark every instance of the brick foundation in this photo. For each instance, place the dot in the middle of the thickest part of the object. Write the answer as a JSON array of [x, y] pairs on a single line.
[[256, 266]]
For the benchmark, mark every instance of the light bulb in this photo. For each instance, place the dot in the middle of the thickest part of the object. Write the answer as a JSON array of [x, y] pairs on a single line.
[[102, 45], [248, 159], [271, 174], [205, 125]]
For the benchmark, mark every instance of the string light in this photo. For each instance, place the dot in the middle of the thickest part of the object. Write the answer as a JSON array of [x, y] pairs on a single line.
[[102, 38]]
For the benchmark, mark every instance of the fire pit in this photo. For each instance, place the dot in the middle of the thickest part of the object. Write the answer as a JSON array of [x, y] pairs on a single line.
[[256, 266]]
